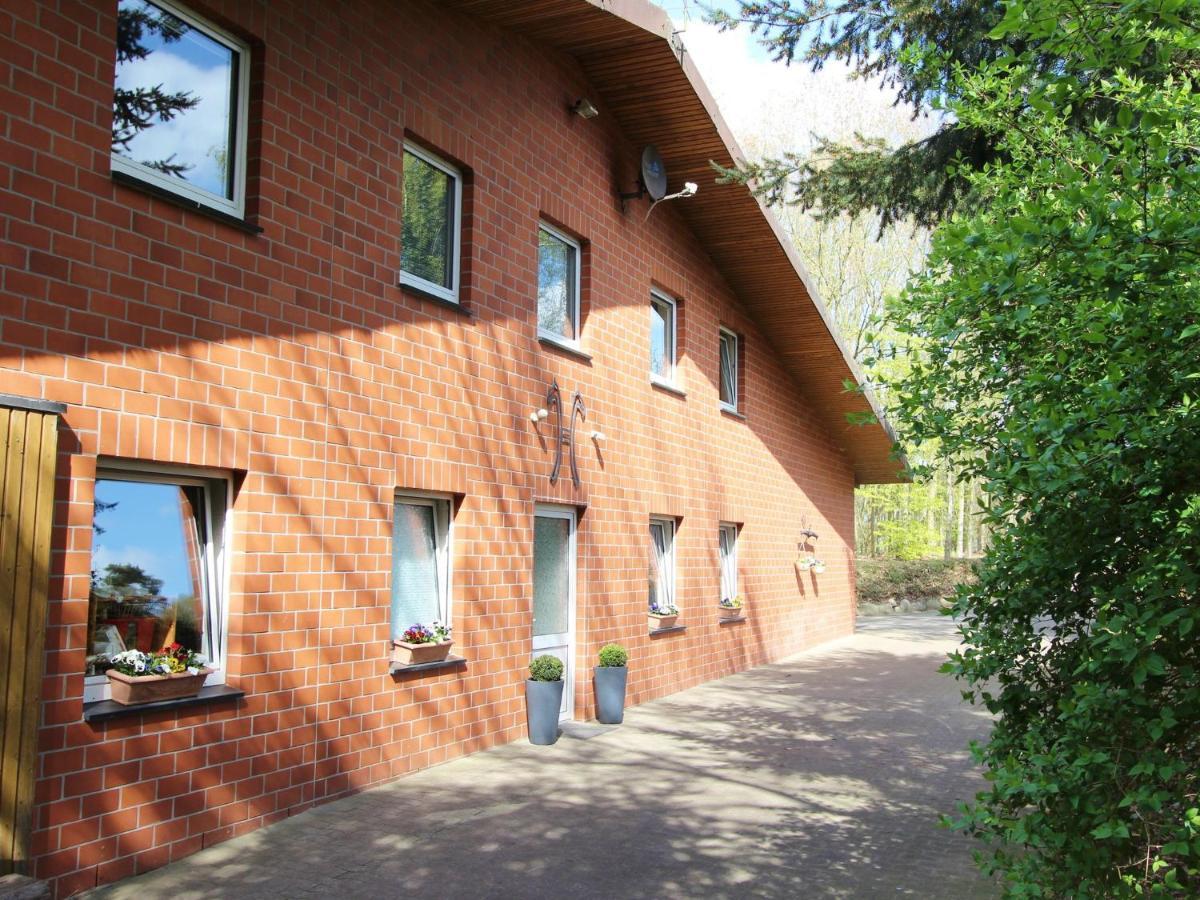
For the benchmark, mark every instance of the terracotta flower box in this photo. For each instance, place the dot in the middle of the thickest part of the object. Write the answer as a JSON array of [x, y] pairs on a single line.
[[732, 612], [658, 623], [130, 690], [407, 654]]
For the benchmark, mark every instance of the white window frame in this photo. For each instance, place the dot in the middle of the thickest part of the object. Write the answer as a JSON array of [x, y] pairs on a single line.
[[443, 537], [236, 206], [728, 561], [723, 335], [668, 525], [449, 294], [216, 558], [577, 248], [672, 348]]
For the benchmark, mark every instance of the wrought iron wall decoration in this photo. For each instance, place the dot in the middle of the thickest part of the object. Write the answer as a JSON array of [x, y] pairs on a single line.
[[564, 434]]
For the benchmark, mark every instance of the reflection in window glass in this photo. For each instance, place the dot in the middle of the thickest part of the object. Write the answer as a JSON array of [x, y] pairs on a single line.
[[155, 567], [558, 304], [175, 97], [729, 367], [427, 249], [662, 336]]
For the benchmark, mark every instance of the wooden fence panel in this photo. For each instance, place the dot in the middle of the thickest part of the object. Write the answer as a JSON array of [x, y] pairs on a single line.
[[28, 451]]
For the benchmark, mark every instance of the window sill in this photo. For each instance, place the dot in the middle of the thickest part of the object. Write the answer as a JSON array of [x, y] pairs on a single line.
[[733, 413], [667, 386], [736, 621], [103, 710], [436, 300], [674, 629], [129, 181], [553, 343], [450, 662]]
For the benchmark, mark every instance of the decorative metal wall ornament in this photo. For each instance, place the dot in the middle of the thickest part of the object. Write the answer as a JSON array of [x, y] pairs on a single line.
[[564, 434]]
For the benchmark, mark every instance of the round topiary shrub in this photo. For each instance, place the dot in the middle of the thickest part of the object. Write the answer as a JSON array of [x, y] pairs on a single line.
[[613, 655], [546, 668]]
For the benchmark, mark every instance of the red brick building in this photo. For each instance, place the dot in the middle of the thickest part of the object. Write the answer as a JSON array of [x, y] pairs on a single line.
[[295, 336]]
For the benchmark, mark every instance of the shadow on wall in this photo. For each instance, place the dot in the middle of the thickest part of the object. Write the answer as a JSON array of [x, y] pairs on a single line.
[[814, 778]]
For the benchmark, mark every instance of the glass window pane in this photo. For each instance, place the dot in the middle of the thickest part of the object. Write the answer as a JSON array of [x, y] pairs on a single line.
[[556, 285], [728, 539], [661, 352], [149, 565], [415, 587], [427, 248], [551, 575], [728, 369], [174, 100], [661, 587]]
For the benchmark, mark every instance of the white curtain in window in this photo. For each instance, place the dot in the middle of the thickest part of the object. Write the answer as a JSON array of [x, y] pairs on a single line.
[[415, 576], [727, 542], [661, 586]]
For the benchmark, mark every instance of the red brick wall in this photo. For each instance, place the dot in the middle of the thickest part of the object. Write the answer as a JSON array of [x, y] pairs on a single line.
[[293, 357]]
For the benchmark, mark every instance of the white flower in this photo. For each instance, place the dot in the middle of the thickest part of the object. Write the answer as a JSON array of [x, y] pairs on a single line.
[[192, 670], [139, 665]]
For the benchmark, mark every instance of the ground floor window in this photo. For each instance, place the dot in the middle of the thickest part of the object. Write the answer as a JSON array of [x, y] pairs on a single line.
[[420, 562], [727, 547], [158, 564], [662, 564]]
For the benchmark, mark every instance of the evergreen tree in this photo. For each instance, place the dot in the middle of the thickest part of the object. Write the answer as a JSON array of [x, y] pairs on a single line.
[[136, 109]]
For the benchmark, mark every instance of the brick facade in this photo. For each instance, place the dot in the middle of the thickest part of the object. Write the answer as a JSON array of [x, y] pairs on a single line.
[[292, 359]]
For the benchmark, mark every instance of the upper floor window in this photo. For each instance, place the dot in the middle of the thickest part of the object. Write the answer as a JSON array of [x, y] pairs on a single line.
[[730, 347], [420, 562], [179, 104], [158, 566], [429, 250], [662, 337], [558, 285]]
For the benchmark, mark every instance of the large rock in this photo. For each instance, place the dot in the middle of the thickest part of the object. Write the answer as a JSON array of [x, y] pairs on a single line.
[[22, 887]]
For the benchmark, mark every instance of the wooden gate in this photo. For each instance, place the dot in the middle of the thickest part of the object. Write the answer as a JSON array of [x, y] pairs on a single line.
[[28, 447]]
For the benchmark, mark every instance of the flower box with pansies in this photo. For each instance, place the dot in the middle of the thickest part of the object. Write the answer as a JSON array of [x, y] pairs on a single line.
[[172, 673], [662, 616], [807, 563], [731, 607], [422, 644]]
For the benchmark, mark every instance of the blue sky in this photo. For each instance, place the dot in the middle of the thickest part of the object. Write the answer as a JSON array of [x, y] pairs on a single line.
[[145, 529]]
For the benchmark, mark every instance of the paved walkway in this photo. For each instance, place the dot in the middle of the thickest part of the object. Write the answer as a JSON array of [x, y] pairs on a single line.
[[821, 776]]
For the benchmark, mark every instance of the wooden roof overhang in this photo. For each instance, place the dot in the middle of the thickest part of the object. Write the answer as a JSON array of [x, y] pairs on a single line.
[[650, 84]]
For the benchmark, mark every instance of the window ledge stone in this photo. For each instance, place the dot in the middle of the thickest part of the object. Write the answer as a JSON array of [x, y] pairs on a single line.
[[450, 662], [103, 710], [554, 343], [674, 629], [667, 386], [733, 413], [734, 621], [130, 181], [430, 297]]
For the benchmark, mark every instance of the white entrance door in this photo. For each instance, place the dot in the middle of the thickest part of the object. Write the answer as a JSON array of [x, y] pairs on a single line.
[[554, 594]]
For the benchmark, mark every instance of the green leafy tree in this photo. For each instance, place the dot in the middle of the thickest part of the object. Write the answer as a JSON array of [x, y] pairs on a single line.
[[1057, 359], [914, 48]]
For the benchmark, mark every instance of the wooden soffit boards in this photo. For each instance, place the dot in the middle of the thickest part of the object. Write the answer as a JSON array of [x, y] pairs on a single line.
[[650, 84]]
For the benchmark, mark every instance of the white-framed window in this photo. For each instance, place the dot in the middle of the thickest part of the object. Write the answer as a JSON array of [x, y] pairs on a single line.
[[420, 561], [180, 104], [727, 537], [558, 285], [662, 337], [432, 224], [159, 565], [730, 347], [662, 563]]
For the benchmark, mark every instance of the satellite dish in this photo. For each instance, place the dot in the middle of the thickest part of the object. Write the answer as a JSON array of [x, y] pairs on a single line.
[[654, 173]]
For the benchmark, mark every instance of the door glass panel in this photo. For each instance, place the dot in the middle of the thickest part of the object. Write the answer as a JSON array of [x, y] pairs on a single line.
[[551, 575], [414, 568]]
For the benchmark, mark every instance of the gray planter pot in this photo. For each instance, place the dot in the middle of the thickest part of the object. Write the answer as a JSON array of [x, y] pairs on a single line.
[[543, 699], [610, 694]]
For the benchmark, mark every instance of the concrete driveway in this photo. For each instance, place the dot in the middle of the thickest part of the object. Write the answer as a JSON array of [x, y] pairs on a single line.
[[821, 776]]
